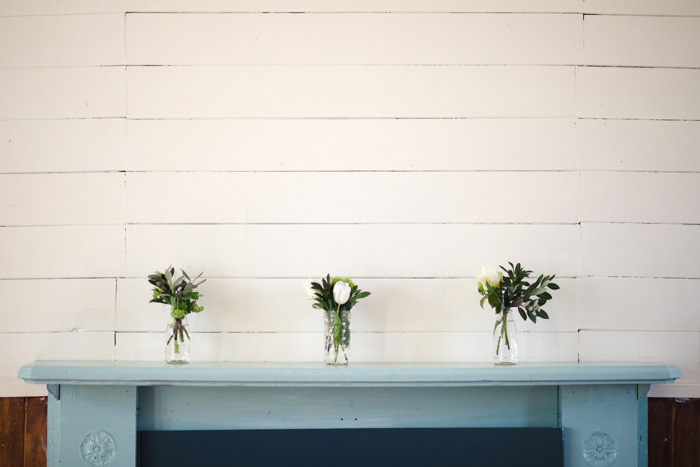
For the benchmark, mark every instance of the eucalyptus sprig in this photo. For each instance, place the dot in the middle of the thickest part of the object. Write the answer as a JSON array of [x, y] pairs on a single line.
[[515, 291], [178, 292]]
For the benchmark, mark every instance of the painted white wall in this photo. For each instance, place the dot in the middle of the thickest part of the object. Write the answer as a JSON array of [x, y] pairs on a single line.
[[400, 143]]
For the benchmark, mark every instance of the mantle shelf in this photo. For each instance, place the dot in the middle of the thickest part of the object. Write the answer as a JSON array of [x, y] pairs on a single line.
[[231, 374], [111, 402]]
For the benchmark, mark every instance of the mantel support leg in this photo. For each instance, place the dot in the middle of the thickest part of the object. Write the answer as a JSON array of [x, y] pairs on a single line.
[[92, 425], [601, 425]]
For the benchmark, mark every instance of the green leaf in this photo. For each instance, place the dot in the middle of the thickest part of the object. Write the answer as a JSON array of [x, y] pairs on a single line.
[[493, 300], [531, 315], [545, 296], [543, 314], [522, 313], [553, 286]]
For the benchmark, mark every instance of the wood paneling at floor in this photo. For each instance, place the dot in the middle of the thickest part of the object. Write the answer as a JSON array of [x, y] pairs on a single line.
[[23, 431], [35, 432], [674, 427], [12, 431]]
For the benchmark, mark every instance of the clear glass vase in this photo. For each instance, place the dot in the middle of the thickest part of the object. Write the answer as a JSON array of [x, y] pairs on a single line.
[[505, 340], [177, 344], [336, 337]]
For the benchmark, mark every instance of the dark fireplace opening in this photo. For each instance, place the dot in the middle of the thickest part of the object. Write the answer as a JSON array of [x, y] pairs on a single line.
[[478, 447]]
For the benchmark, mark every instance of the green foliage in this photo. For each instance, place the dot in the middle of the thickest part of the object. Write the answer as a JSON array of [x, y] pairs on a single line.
[[324, 294], [515, 291], [337, 314], [177, 292]]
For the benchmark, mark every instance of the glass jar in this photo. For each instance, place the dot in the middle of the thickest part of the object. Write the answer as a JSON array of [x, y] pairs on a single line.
[[177, 344], [505, 340]]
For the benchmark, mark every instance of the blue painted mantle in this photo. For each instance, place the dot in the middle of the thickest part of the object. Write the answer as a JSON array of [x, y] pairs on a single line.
[[357, 374], [107, 402]]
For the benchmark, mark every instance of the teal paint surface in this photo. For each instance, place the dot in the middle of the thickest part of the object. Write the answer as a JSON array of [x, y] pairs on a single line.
[[215, 408], [82, 410], [609, 409], [356, 374], [104, 397]]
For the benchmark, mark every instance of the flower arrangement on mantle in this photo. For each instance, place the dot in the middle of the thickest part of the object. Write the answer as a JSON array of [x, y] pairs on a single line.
[[336, 296], [180, 294], [512, 291]]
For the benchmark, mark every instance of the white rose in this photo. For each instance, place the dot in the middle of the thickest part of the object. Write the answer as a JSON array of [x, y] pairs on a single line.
[[341, 292], [309, 290], [490, 276]]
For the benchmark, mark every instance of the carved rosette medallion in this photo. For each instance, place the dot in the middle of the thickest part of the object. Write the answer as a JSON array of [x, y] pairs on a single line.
[[98, 448], [599, 449]]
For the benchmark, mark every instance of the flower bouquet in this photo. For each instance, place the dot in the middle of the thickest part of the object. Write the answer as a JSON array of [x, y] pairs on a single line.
[[336, 296], [180, 294], [512, 291]]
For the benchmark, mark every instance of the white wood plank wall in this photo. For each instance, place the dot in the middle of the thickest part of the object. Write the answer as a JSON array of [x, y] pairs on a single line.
[[401, 143]]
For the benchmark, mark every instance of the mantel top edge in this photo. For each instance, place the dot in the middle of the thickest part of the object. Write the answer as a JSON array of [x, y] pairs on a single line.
[[355, 374]]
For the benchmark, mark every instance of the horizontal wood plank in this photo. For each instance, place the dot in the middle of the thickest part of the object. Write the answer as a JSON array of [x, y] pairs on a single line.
[[59, 7], [653, 197], [544, 249], [638, 145], [381, 197], [415, 250], [350, 92], [59, 305], [635, 304], [292, 39], [37, 93], [41, 199], [639, 93], [641, 250], [90, 145], [224, 200], [61, 251], [642, 41], [641, 7], [408, 197], [410, 6], [424, 144], [70, 40], [466, 194], [217, 250]]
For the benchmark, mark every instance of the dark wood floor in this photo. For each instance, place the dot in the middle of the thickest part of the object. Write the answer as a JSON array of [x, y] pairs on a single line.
[[674, 428]]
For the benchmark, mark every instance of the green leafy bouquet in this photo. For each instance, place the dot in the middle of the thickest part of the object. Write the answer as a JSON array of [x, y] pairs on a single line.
[[180, 294], [514, 290], [336, 296]]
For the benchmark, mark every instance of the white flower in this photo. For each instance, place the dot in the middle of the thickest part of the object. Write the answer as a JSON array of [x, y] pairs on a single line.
[[341, 292], [309, 289], [490, 276]]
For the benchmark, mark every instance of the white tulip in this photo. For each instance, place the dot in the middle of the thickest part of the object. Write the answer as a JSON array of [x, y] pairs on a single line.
[[489, 275], [341, 292]]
